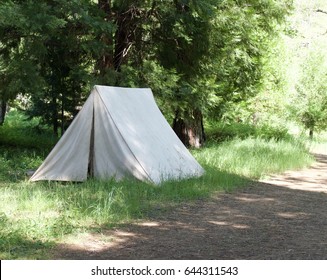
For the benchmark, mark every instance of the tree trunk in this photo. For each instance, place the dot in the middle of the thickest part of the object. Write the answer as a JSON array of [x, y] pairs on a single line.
[[3, 110], [121, 44], [104, 5], [124, 36], [105, 62], [55, 123], [311, 133], [62, 116], [190, 131]]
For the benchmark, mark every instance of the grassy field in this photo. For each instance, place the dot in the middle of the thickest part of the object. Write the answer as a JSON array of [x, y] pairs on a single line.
[[35, 216]]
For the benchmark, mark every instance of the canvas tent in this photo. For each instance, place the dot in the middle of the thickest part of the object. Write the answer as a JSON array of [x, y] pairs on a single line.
[[119, 132]]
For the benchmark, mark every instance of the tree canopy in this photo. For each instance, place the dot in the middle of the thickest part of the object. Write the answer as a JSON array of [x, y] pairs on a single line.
[[307, 68], [198, 56]]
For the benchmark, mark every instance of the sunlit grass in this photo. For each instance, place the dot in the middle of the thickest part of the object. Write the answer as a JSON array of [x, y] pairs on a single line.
[[256, 157]]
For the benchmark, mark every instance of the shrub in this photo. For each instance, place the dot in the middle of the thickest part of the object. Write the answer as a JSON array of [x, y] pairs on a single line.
[[17, 131], [219, 132]]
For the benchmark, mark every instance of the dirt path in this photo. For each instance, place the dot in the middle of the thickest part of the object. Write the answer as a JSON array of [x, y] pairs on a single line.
[[284, 217]]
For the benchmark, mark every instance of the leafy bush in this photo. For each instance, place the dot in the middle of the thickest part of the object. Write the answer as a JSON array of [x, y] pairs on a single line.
[[222, 132], [273, 132], [219, 132], [17, 131]]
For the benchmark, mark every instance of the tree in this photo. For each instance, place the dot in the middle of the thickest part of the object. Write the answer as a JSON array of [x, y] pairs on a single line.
[[196, 55], [230, 70], [184, 52], [246, 32], [15, 68], [307, 43], [49, 48], [169, 37], [3, 98], [310, 103]]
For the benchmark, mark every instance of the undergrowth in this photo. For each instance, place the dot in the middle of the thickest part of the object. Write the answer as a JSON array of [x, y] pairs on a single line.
[[18, 131]]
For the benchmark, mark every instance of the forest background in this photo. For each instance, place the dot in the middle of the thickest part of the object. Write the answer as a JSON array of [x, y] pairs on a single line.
[[218, 60]]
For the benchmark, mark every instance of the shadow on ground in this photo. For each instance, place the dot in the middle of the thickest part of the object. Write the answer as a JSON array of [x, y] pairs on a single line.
[[284, 217]]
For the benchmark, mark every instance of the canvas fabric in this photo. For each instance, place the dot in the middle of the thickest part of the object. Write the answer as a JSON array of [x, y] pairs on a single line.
[[120, 132], [68, 160]]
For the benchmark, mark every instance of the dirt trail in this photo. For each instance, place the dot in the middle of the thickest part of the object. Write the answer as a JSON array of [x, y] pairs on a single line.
[[284, 217]]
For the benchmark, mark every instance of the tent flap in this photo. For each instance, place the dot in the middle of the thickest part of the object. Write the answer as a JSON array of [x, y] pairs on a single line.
[[68, 161]]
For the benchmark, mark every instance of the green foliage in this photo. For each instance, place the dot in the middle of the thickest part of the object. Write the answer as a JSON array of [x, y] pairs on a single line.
[[244, 32], [310, 103], [17, 131], [304, 40], [286, 74], [276, 132], [216, 56], [197, 55], [48, 51], [15, 162], [221, 132]]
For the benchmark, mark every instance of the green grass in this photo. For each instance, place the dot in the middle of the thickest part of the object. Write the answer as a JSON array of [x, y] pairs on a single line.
[[43, 213], [317, 144], [15, 162], [255, 157], [36, 216]]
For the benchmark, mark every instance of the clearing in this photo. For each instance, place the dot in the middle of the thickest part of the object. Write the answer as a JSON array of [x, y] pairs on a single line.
[[283, 217]]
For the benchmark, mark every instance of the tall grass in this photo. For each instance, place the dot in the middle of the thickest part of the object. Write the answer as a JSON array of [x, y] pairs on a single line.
[[42, 213], [256, 157]]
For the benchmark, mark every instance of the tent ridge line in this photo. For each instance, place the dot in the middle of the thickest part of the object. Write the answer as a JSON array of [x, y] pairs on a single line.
[[96, 88]]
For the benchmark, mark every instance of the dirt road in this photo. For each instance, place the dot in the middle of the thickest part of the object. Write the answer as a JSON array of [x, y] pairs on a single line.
[[284, 217]]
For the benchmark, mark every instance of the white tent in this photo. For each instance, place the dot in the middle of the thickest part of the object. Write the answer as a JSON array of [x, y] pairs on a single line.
[[119, 132]]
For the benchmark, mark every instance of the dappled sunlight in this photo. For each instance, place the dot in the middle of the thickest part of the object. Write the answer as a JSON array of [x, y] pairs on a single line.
[[313, 179], [290, 215], [96, 242], [262, 221], [281, 218], [218, 223], [239, 226], [253, 199], [150, 224], [223, 223]]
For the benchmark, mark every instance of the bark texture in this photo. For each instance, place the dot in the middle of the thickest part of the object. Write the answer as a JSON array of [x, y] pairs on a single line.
[[190, 131]]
